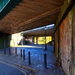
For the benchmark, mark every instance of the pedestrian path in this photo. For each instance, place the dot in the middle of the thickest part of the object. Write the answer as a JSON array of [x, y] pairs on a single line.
[[37, 60], [9, 70]]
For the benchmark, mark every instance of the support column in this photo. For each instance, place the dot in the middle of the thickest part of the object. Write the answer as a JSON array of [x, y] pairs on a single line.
[[33, 40]]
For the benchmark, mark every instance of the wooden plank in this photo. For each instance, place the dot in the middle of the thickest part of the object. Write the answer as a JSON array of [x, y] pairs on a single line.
[[21, 14], [38, 23], [45, 8], [43, 2], [42, 15], [30, 14], [22, 11], [26, 9]]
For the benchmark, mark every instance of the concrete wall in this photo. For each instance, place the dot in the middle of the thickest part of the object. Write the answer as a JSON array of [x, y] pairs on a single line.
[[64, 40], [4, 41]]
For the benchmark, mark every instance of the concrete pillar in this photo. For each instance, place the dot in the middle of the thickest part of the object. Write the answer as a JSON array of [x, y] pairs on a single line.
[[36, 40], [33, 40]]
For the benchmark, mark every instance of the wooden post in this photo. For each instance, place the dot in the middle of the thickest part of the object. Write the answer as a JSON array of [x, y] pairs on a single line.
[[24, 54], [29, 58], [21, 52], [45, 61]]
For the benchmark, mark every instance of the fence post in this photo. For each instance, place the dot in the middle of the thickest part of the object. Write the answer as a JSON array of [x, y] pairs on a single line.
[[45, 61], [29, 58], [24, 54], [21, 52]]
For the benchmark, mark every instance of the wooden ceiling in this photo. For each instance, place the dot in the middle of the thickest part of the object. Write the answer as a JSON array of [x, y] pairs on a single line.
[[29, 14]]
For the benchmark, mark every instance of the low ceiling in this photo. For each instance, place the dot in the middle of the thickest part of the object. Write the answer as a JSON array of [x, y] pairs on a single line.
[[29, 14], [49, 32]]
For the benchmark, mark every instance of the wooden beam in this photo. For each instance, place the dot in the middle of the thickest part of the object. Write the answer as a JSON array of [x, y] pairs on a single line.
[[22, 11], [41, 16], [21, 14], [56, 1], [24, 24], [26, 9], [30, 14], [38, 23], [36, 7], [43, 2], [23, 4]]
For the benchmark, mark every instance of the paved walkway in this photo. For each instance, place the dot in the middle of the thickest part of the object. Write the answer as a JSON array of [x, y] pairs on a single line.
[[8, 70], [37, 60]]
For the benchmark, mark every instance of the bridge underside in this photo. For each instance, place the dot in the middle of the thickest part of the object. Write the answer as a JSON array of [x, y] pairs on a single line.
[[22, 15], [29, 14]]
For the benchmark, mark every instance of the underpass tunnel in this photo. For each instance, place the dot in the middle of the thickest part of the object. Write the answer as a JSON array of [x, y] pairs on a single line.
[[20, 23]]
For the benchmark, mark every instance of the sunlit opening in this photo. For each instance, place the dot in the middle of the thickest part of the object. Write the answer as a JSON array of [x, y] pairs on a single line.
[[41, 40], [19, 40]]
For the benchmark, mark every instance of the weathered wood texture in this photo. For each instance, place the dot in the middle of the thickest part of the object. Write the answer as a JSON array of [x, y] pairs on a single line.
[[30, 14]]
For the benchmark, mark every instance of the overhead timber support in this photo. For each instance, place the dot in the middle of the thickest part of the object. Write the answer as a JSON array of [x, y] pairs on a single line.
[[29, 14]]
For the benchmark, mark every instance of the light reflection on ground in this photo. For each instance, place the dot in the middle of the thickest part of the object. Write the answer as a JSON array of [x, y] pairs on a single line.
[[30, 46], [37, 59]]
